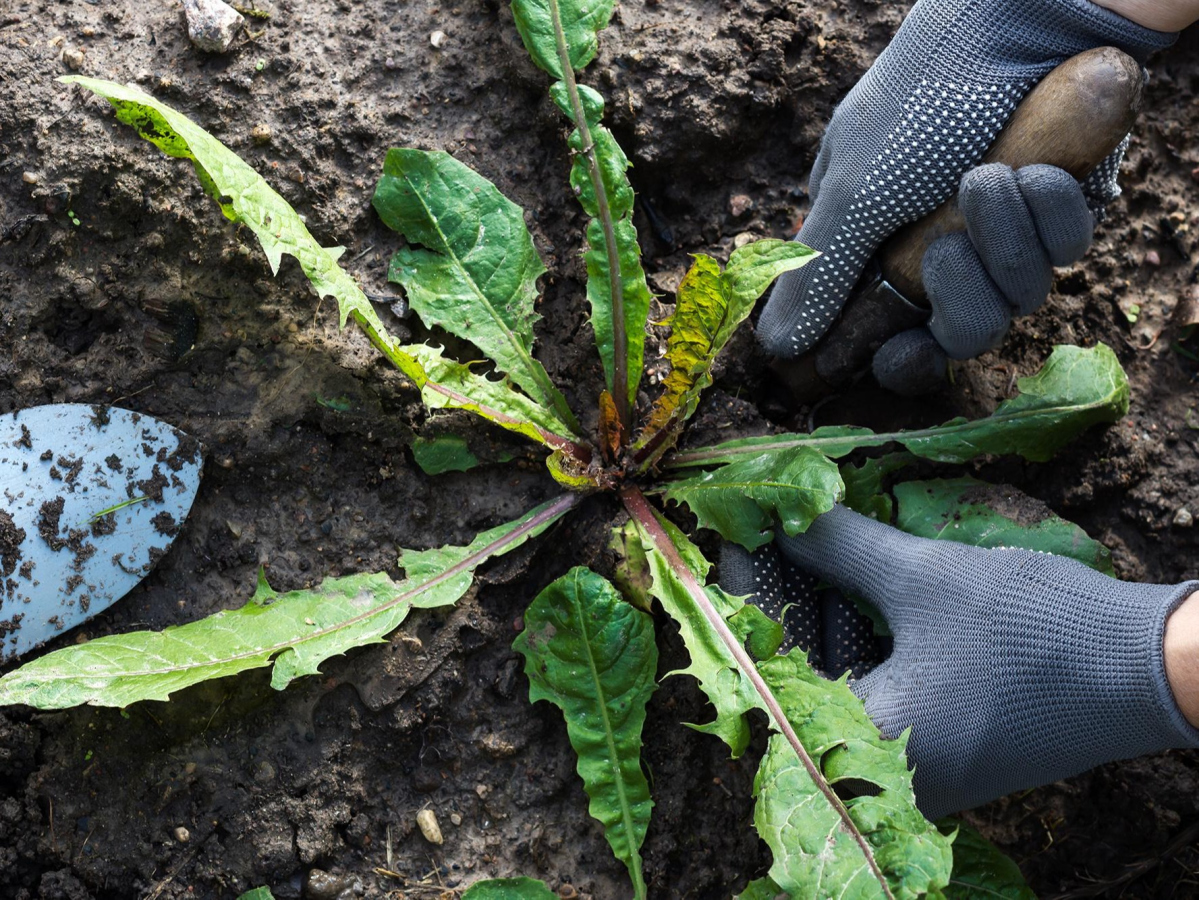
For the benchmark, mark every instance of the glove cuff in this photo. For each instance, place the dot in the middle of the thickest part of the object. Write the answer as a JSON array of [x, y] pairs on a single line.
[[1072, 22]]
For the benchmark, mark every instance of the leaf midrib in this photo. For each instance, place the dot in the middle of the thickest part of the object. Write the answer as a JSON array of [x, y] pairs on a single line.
[[701, 456], [626, 812], [474, 560]]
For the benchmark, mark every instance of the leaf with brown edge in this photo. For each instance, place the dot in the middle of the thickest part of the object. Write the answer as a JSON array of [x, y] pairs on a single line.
[[710, 304]]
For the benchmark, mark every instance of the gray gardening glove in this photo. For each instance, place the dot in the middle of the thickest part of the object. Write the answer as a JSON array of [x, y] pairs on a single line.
[[1012, 668], [900, 143]]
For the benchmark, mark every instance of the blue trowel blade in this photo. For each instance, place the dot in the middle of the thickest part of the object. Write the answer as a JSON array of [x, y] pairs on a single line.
[[90, 499]]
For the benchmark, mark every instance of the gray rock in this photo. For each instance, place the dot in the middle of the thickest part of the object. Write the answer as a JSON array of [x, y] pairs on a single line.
[[211, 24], [1183, 518]]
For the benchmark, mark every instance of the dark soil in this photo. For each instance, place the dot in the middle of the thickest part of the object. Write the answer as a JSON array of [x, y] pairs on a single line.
[[154, 303]]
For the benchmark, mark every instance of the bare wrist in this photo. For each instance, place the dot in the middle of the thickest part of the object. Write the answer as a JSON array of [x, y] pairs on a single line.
[[1181, 649], [1159, 15]]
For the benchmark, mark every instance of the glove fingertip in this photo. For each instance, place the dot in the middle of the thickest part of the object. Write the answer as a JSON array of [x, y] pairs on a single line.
[[911, 364]]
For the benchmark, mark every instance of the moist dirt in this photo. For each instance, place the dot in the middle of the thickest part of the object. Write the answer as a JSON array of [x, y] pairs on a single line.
[[123, 285]]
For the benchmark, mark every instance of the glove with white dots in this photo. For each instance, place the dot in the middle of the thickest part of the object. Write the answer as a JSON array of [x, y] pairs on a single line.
[[900, 143]]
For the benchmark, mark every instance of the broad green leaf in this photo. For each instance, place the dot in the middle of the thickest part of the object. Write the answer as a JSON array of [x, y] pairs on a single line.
[[814, 856], [593, 656], [613, 166], [822, 846], [1075, 389], [981, 871], [744, 500], [580, 23], [477, 276], [446, 384], [258, 893], [711, 303], [983, 515], [509, 889], [297, 630], [864, 484], [444, 453], [243, 195], [761, 889]]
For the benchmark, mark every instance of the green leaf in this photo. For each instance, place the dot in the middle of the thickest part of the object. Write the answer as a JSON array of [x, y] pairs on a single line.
[[1075, 389], [980, 869], [444, 453], [761, 889], [742, 501], [613, 166], [477, 278], [711, 303], [243, 195], [593, 656], [258, 893], [867, 846], [973, 512], [509, 889], [864, 484], [582, 21], [298, 630], [446, 384], [814, 856], [711, 663], [246, 198]]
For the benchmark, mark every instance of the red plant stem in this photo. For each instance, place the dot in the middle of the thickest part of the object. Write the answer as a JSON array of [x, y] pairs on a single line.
[[638, 507], [620, 338]]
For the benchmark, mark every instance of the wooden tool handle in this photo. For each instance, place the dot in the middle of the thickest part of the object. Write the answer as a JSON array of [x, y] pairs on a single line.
[[1074, 119]]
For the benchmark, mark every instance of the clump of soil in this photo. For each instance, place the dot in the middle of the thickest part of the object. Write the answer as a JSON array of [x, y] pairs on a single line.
[[720, 106]]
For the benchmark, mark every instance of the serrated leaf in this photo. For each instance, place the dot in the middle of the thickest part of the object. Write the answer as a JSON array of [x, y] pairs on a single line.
[[864, 484], [243, 195], [297, 630], [581, 22], [1075, 389], [981, 871], [444, 453], [593, 656], [475, 274], [869, 846], [447, 384], [813, 854], [973, 512], [246, 198], [509, 889], [613, 167], [744, 500], [710, 304]]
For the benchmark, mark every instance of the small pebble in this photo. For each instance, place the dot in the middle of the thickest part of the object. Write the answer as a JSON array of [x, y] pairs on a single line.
[[1183, 518], [745, 237], [73, 57], [212, 25], [455, 819], [182, 835], [261, 134], [426, 821], [739, 205], [437, 38], [29, 177], [321, 885], [1153, 258]]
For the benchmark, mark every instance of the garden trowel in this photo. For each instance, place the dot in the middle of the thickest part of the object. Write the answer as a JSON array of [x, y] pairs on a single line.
[[90, 499], [1074, 119]]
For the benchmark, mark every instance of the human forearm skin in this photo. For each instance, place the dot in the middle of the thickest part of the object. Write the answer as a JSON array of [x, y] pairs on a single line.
[[1160, 15], [1181, 646]]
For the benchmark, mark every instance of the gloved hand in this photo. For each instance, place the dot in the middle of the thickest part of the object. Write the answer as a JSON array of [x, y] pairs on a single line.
[[1012, 668], [919, 120]]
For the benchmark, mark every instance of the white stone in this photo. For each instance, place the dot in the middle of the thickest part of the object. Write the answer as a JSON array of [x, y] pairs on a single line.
[[211, 24]]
